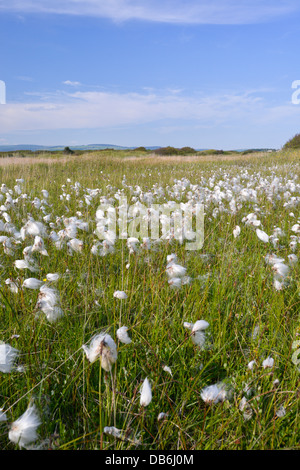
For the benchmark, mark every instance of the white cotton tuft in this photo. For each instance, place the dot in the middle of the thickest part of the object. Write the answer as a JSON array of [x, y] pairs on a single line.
[[32, 283], [262, 235], [167, 369], [8, 354], [49, 303], [146, 393], [102, 346], [3, 416], [175, 270], [51, 277], [23, 431], [123, 336], [236, 231], [269, 362], [39, 246], [119, 294], [200, 325], [214, 393]]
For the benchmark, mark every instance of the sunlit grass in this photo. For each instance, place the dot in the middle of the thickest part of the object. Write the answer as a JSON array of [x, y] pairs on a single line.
[[231, 288]]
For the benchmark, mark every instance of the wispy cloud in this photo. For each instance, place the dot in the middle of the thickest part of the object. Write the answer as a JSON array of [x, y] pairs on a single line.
[[24, 78], [71, 83], [167, 11], [101, 109]]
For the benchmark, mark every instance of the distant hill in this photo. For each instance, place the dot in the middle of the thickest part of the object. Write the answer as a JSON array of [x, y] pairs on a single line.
[[35, 148]]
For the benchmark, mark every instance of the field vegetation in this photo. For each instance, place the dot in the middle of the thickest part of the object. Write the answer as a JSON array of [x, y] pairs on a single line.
[[140, 343]]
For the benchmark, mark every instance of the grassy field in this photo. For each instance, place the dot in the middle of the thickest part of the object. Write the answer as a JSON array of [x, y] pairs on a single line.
[[230, 382]]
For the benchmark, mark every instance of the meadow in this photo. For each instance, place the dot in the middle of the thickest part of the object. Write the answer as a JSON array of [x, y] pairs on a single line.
[[122, 344]]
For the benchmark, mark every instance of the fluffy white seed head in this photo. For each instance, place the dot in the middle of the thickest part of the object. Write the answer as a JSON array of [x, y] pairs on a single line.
[[146, 393], [23, 431], [8, 355], [102, 346], [122, 334]]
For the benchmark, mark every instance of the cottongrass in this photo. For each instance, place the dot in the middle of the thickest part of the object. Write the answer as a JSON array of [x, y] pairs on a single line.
[[23, 431], [8, 356], [244, 282], [103, 347], [146, 393]]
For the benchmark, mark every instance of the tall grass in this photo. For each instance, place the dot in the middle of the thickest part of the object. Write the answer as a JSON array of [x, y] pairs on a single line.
[[231, 287]]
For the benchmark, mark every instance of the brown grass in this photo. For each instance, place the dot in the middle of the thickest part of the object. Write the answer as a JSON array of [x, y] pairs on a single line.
[[151, 158], [197, 158]]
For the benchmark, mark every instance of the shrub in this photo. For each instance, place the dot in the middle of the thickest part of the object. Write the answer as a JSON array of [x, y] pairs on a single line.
[[68, 151], [293, 143], [166, 151], [175, 151], [211, 152], [187, 151], [140, 149]]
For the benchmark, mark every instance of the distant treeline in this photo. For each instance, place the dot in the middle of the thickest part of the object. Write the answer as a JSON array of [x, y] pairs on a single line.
[[161, 151]]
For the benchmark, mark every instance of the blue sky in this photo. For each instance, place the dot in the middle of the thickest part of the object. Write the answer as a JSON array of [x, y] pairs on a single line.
[[208, 74]]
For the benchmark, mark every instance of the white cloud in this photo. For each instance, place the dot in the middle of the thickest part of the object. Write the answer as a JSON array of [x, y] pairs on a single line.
[[167, 11], [95, 109], [70, 83], [24, 78]]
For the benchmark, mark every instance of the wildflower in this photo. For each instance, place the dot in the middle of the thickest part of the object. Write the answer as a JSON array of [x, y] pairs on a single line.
[[171, 258], [273, 259], [75, 245], [200, 325], [49, 303], [25, 264], [188, 325], [197, 331], [175, 270], [269, 362], [13, 286], [251, 219], [23, 431], [251, 365], [52, 277], [281, 270], [120, 434], [113, 431], [146, 393], [293, 259], [3, 416], [8, 354], [278, 285], [296, 228], [198, 334], [33, 228], [123, 335], [102, 346], [132, 243], [162, 416], [262, 235], [213, 393], [39, 246], [246, 409], [32, 283], [167, 369], [175, 282], [280, 413], [119, 294], [236, 231]]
